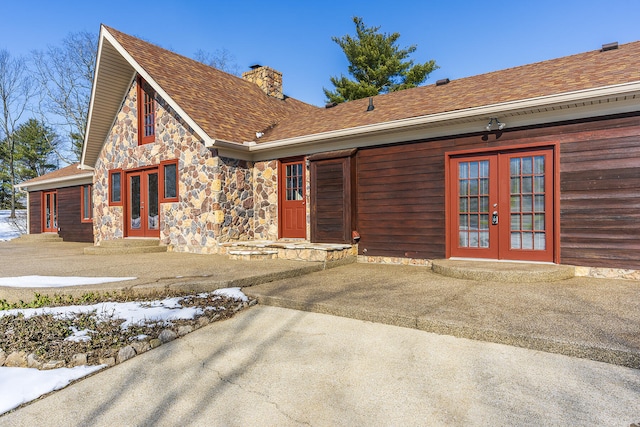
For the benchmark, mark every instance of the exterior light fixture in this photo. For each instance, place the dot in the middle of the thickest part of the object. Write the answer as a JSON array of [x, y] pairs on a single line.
[[494, 121]]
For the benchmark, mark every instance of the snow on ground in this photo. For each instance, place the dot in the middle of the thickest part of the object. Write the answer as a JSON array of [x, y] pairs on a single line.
[[56, 281], [8, 229], [134, 313], [20, 385]]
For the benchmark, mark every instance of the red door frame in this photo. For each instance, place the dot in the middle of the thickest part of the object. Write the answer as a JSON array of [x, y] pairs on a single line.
[[552, 186], [47, 198], [292, 202], [144, 230]]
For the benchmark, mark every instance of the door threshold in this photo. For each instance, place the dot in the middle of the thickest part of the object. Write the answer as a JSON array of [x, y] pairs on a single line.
[[501, 260]]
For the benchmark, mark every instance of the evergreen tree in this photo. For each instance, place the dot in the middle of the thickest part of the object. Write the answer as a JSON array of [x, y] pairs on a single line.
[[5, 177], [35, 149], [377, 64]]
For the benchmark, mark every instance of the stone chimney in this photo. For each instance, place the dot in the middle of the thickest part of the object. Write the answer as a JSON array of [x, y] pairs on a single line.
[[269, 80]]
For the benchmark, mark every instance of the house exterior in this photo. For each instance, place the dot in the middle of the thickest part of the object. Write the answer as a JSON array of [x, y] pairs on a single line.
[[533, 163], [60, 202]]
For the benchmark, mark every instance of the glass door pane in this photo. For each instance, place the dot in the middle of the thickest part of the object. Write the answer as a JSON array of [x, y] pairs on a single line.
[[135, 202], [527, 203], [473, 202], [152, 201]]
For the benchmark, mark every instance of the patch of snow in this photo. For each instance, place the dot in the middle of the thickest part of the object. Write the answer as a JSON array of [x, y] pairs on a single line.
[[79, 336], [234, 293], [56, 281], [21, 385], [8, 227]]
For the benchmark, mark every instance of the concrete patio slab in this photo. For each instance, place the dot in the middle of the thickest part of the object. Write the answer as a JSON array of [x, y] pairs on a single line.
[[598, 319], [271, 366]]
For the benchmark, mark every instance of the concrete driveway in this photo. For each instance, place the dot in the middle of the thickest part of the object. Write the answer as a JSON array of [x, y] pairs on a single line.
[[272, 366], [378, 364]]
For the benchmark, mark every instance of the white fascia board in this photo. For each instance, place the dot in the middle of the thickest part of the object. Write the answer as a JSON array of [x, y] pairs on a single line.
[[122, 51], [93, 96], [67, 181]]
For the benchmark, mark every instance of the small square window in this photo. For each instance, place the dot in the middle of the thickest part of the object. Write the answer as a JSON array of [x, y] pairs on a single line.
[[115, 188]]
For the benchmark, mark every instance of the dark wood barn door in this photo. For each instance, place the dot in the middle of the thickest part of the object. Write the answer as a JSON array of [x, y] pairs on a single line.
[[331, 200]]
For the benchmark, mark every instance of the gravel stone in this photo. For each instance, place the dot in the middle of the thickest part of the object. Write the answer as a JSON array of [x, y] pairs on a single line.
[[109, 361], [126, 353], [141, 346], [33, 362], [53, 364], [167, 335], [79, 359], [17, 359], [184, 330]]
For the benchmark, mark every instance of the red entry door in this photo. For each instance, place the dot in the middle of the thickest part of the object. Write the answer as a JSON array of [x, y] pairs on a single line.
[[50, 212], [142, 209], [502, 206], [292, 199]]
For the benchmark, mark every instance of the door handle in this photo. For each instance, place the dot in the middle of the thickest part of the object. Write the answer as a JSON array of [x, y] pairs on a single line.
[[494, 218]]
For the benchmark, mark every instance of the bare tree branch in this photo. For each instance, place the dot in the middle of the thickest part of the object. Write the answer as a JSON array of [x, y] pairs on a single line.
[[65, 76], [15, 92]]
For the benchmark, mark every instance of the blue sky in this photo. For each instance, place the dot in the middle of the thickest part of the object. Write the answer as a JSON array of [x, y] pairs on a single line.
[[464, 37]]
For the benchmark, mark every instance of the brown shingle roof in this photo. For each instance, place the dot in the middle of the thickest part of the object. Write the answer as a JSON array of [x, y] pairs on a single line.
[[567, 74], [226, 107], [65, 172]]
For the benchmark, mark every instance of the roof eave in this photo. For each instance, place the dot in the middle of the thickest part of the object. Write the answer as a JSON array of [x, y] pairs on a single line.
[[66, 181], [482, 112], [135, 68]]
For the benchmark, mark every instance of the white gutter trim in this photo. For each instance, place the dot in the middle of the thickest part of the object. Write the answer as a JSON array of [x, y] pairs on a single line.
[[221, 143], [79, 177], [568, 97], [93, 97]]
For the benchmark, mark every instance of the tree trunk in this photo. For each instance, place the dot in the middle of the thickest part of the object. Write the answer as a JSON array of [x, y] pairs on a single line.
[[12, 169]]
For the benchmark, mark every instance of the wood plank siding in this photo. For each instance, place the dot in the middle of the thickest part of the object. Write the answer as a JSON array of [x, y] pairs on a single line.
[[401, 191], [35, 212], [71, 227]]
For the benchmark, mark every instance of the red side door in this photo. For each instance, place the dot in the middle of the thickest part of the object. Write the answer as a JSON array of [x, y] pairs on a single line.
[[50, 212], [292, 195]]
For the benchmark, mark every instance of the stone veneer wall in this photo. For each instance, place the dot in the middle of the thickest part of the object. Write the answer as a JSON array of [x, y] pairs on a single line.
[[265, 176], [216, 194]]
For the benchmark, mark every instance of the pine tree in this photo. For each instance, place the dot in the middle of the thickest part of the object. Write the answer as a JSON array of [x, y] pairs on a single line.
[[377, 64], [35, 144]]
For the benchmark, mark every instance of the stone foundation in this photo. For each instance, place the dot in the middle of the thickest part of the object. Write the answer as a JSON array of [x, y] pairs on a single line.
[[394, 260], [608, 273]]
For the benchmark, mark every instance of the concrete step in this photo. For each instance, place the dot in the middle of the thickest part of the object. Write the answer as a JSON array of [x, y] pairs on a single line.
[[298, 250], [41, 237], [252, 254], [126, 246], [499, 271]]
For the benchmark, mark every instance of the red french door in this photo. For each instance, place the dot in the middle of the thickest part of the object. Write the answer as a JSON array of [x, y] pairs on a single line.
[[292, 199], [502, 206], [50, 212], [142, 207]]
